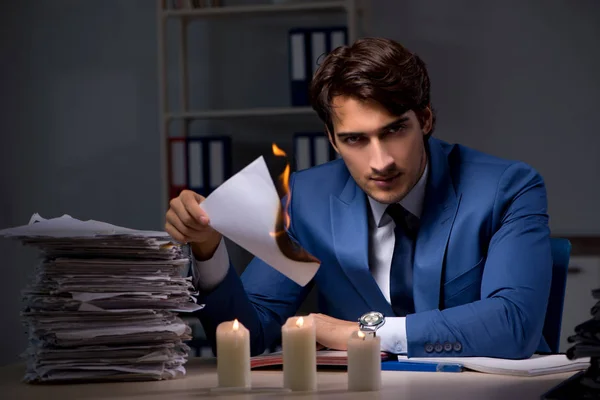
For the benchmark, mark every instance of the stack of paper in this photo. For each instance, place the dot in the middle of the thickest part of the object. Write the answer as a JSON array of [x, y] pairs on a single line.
[[587, 344], [103, 302], [536, 365]]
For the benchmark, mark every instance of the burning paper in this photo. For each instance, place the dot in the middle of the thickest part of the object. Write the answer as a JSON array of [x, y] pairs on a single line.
[[247, 210]]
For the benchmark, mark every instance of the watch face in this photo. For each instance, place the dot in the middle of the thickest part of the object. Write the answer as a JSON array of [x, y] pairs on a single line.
[[371, 319]]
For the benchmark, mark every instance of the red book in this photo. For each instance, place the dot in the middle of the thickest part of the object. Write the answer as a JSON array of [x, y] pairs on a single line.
[[325, 358]]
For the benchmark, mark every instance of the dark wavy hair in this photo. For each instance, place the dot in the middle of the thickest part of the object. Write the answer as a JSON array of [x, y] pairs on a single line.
[[373, 69]]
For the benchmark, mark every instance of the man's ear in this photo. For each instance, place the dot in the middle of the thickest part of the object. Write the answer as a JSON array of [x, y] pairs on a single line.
[[427, 120], [331, 140]]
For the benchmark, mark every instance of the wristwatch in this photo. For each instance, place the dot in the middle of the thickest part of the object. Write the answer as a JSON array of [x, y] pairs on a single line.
[[369, 323]]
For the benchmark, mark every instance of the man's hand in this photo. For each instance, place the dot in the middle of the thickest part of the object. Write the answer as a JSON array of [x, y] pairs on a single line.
[[333, 333], [188, 223]]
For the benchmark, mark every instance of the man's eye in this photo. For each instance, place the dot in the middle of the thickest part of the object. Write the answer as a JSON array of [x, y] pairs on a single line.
[[352, 139], [396, 129]]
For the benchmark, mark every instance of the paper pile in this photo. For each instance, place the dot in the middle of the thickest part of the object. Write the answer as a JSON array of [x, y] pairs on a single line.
[[587, 344], [103, 302]]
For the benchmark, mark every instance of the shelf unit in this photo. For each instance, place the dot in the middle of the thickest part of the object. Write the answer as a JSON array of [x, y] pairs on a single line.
[[241, 113], [352, 8]]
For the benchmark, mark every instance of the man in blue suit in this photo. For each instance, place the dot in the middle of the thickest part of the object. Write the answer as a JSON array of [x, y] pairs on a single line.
[[451, 245]]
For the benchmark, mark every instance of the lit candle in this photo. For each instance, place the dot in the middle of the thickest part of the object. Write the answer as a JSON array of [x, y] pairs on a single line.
[[299, 347], [364, 362], [233, 355]]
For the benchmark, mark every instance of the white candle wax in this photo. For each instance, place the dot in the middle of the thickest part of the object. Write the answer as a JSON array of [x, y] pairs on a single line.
[[364, 362], [233, 355], [299, 346]]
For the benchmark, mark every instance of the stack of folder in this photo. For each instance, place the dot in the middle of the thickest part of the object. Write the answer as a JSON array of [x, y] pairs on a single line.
[[103, 302], [307, 48], [200, 164]]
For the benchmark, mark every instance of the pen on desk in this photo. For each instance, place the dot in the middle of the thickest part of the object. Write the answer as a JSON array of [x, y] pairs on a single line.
[[420, 366]]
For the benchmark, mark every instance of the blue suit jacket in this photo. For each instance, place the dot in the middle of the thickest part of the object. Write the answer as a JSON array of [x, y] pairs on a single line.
[[482, 266]]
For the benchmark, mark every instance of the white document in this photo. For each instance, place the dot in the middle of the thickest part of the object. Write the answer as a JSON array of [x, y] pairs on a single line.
[[245, 209], [68, 227], [534, 366], [74, 334]]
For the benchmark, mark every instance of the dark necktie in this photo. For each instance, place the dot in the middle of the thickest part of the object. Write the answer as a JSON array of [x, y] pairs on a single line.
[[401, 271]]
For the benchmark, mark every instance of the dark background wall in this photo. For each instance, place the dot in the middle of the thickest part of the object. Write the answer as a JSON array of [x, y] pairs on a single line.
[[79, 103]]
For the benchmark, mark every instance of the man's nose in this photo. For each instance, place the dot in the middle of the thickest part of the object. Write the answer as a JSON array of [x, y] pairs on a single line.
[[380, 158]]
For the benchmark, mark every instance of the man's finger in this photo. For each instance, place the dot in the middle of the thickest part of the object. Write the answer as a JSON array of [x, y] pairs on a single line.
[[174, 232], [175, 222], [192, 206], [183, 215]]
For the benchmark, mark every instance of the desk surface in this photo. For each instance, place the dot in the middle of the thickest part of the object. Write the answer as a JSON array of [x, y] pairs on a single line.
[[201, 377]]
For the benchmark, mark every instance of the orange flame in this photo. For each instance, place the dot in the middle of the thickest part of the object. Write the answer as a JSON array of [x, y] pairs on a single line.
[[236, 325], [285, 183], [277, 151], [300, 322]]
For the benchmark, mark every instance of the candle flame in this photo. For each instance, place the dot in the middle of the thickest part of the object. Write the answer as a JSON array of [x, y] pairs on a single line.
[[285, 184], [361, 335], [300, 322], [236, 325]]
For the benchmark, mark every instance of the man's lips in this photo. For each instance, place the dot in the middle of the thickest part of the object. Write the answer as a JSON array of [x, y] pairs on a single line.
[[386, 183], [386, 179]]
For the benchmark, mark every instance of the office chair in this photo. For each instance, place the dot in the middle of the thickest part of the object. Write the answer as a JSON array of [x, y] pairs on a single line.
[[561, 253]]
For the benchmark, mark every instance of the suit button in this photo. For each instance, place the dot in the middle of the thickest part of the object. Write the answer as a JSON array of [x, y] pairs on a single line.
[[439, 348], [428, 347], [448, 346], [457, 346]]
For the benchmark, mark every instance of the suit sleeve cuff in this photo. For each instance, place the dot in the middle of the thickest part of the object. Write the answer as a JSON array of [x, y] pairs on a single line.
[[208, 274], [393, 335]]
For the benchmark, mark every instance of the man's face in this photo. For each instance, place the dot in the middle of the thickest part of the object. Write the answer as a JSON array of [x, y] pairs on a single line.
[[384, 153]]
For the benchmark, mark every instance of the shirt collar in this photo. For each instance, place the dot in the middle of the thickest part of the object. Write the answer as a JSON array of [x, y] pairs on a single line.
[[412, 202]]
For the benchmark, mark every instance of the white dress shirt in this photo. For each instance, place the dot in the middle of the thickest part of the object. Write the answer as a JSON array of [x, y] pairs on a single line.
[[381, 249], [210, 273]]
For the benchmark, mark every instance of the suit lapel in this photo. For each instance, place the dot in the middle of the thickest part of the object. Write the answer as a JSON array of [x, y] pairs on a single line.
[[351, 242], [439, 211]]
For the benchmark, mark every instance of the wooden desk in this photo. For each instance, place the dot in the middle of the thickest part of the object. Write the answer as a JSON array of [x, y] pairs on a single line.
[[201, 376]]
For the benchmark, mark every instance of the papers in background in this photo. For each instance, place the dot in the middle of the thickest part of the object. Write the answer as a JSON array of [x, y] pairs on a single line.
[[102, 302], [534, 366], [66, 227], [245, 209]]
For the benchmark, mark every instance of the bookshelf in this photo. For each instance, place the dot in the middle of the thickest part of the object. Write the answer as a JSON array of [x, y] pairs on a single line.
[[185, 15], [242, 113], [274, 8]]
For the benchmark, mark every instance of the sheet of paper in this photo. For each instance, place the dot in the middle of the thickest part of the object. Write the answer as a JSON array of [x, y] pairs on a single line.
[[245, 209], [66, 226], [534, 366]]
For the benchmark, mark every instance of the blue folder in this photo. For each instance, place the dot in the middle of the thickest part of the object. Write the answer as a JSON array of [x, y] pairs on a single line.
[[303, 53], [393, 365], [200, 163]]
